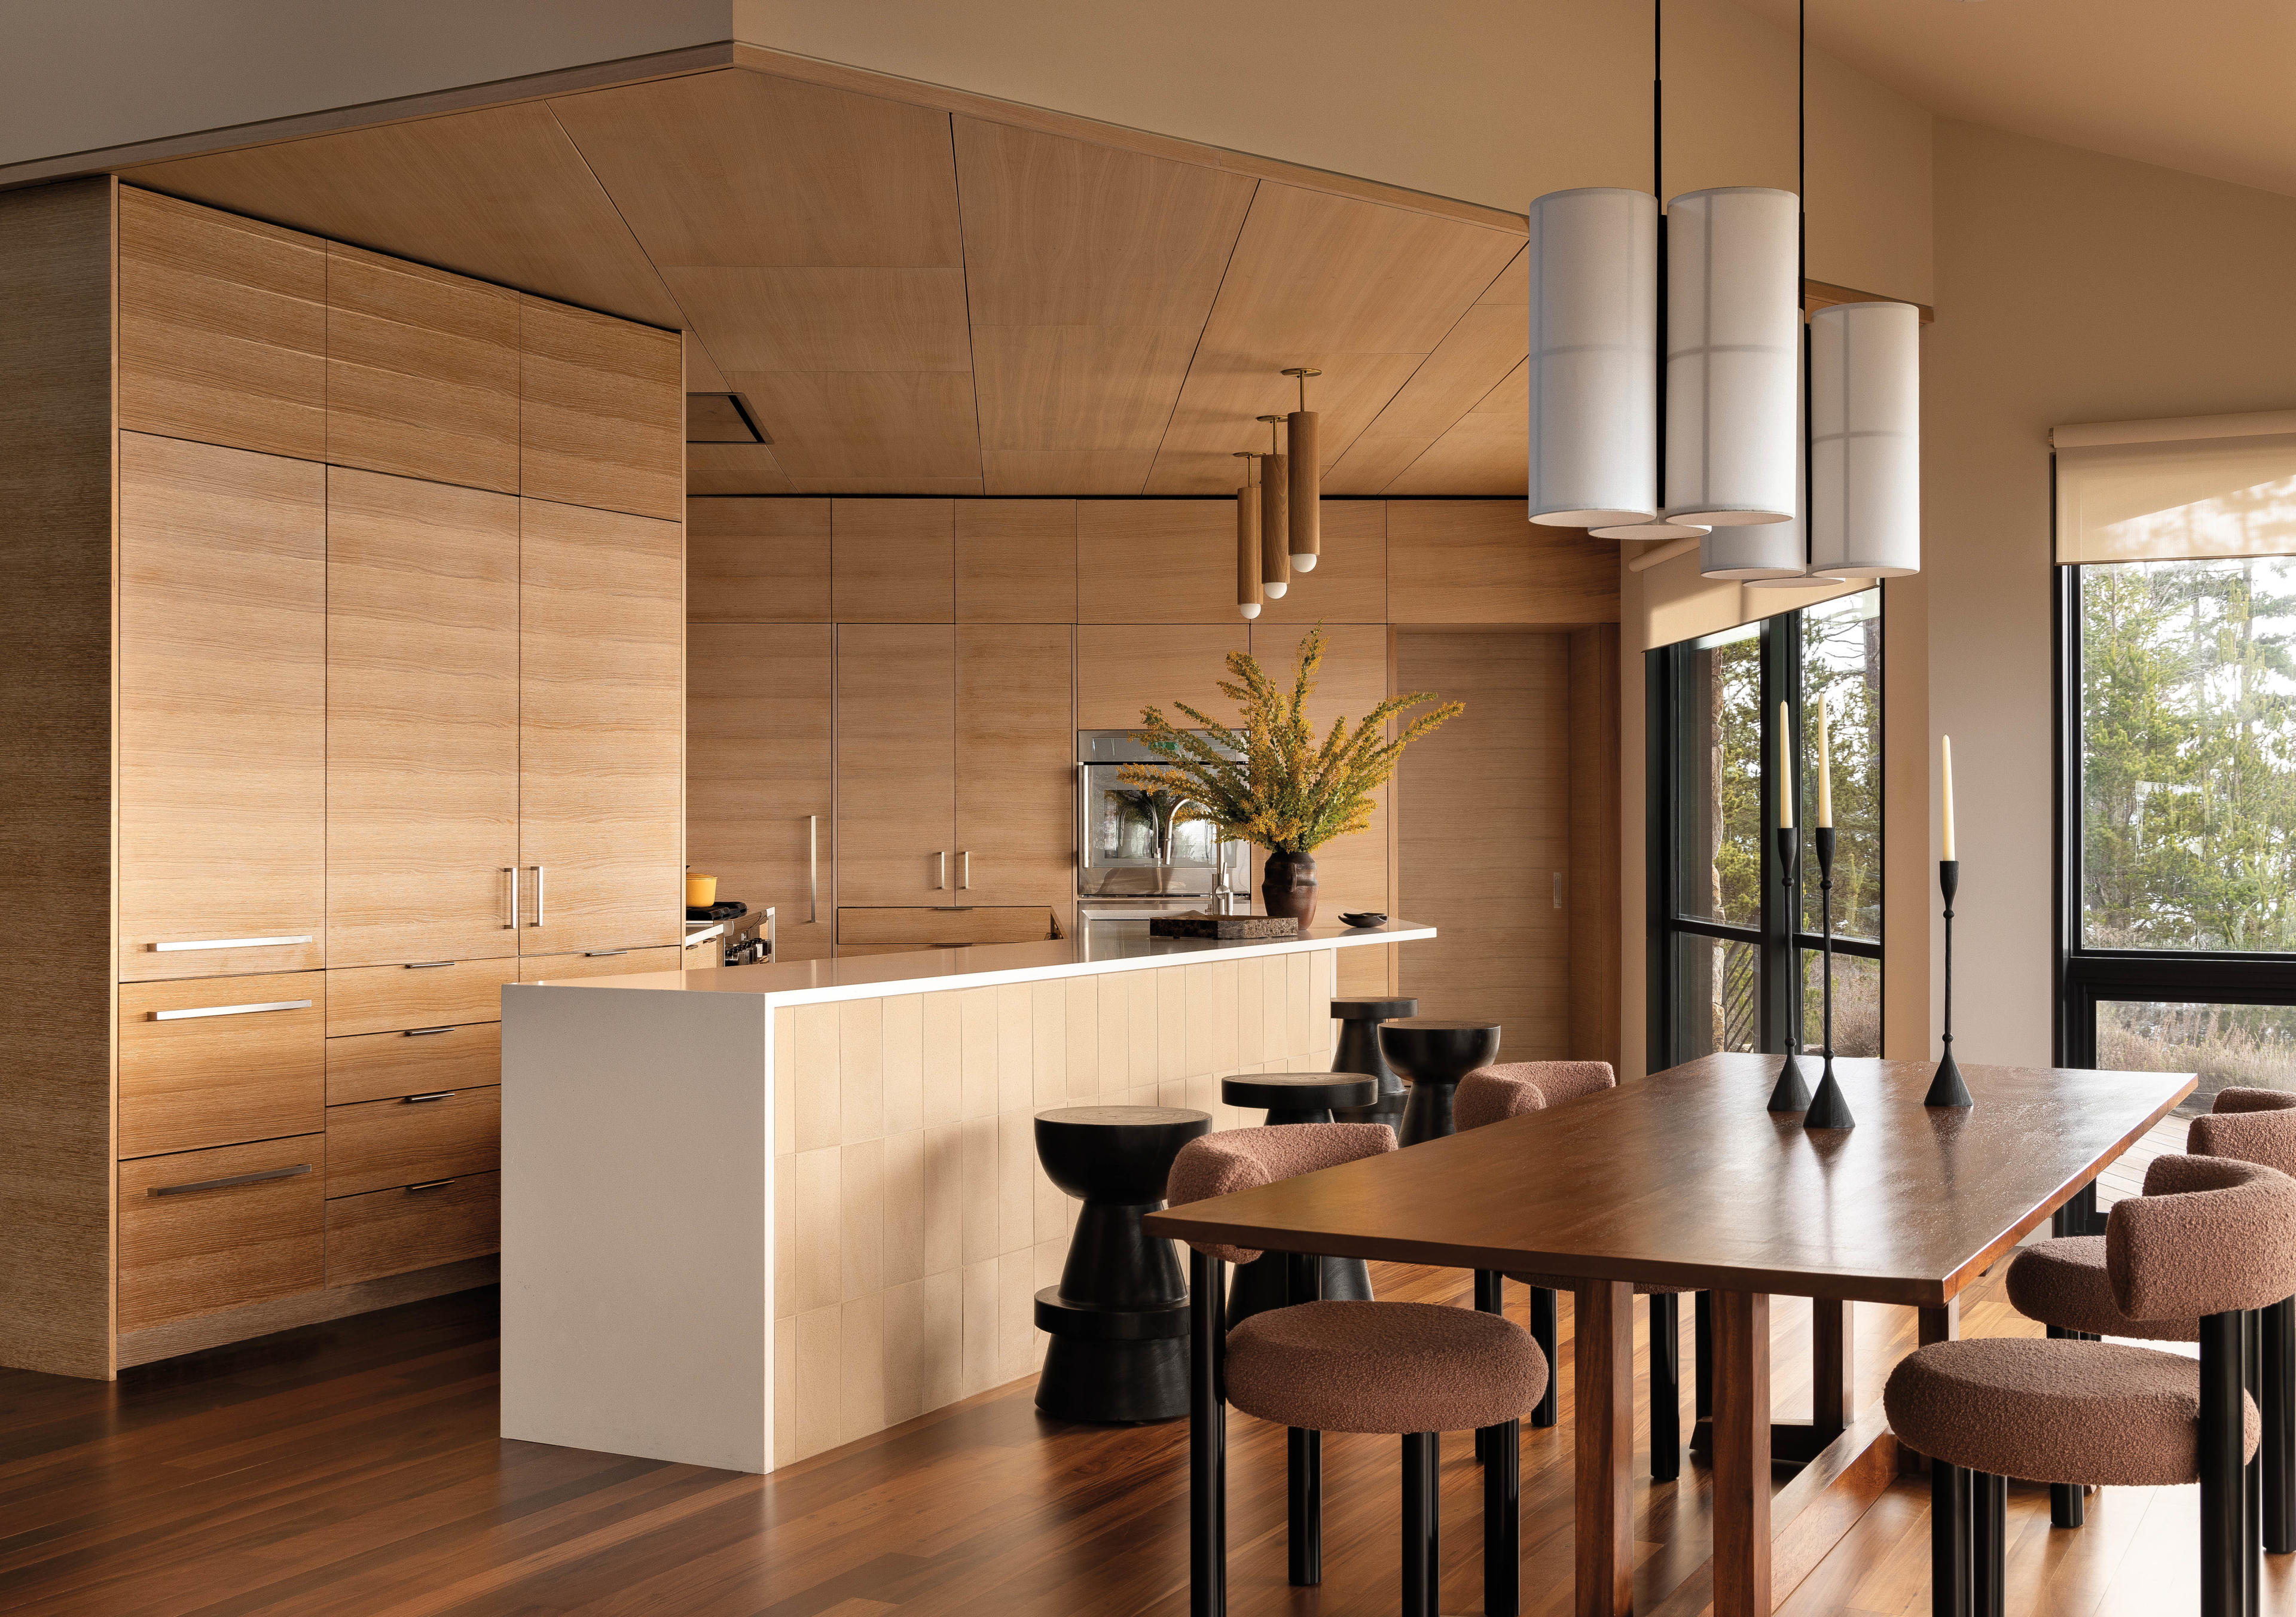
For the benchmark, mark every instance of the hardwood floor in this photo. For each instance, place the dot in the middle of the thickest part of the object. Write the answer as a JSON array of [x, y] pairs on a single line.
[[352, 1470]]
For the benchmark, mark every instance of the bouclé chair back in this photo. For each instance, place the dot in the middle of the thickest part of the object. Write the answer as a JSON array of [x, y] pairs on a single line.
[[1243, 1159], [2210, 1235]]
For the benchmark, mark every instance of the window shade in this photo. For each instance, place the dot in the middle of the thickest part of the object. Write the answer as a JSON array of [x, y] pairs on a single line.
[[2180, 489]]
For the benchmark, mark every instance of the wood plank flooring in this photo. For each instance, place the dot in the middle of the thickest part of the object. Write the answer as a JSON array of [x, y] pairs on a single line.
[[352, 1468]]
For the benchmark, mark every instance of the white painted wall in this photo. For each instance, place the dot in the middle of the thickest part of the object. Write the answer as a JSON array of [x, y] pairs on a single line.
[[81, 75]]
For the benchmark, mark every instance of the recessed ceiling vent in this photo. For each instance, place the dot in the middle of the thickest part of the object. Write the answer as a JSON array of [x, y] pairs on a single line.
[[721, 418]]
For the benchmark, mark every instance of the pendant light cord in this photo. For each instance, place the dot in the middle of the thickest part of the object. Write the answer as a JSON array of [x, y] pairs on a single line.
[[1801, 268], [1657, 195]]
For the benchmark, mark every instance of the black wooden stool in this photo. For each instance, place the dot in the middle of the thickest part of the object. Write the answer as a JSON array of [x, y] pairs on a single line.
[[1358, 1051], [1434, 1055], [1118, 1318], [1297, 1097]]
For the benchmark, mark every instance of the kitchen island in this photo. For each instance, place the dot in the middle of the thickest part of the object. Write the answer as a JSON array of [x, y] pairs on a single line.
[[754, 1212]]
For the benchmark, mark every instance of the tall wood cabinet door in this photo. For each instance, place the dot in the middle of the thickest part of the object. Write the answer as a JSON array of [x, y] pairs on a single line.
[[422, 720], [602, 730], [1016, 808], [895, 763], [223, 710], [759, 810]]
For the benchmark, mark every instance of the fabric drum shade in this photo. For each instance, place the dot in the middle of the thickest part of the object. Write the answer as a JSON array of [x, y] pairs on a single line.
[[1865, 441], [1733, 355], [1762, 552], [1594, 357]]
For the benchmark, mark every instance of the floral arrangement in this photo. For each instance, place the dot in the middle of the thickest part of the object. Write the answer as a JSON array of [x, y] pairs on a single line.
[[1283, 791]]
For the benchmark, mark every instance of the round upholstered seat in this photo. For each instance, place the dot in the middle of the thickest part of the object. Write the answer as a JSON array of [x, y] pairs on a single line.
[[2055, 1411], [2064, 1283], [1384, 1367]]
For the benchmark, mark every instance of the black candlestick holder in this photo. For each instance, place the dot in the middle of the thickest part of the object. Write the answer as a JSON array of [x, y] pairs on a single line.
[[1947, 1089], [1792, 1091], [1828, 1108]]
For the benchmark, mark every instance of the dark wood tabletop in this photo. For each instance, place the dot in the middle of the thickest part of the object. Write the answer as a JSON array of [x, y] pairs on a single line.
[[1684, 1179]]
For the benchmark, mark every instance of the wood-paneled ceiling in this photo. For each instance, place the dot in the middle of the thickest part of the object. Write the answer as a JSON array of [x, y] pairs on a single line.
[[916, 300]]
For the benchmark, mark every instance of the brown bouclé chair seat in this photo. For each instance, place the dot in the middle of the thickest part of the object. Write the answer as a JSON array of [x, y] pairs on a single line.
[[2064, 1283], [1387, 1367], [2055, 1411]]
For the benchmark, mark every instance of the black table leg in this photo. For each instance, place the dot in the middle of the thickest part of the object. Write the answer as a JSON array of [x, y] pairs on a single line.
[[1664, 1388], [1702, 1329], [2224, 1556], [1503, 1520], [1422, 1469], [1207, 1441], [2277, 1372], [1543, 1330]]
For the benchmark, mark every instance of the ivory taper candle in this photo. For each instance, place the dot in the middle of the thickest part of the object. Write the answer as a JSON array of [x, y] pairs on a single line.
[[1785, 770], [1824, 772], [1946, 745]]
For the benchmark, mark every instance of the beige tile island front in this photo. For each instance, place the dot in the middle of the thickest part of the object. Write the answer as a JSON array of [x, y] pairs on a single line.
[[750, 1214]]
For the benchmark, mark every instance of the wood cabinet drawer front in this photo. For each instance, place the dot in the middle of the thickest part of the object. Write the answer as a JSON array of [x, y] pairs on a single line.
[[240, 1224], [220, 1060], [384, 1066], [389, 998], [566, 968], [981, 923], [396, 1231], [382, 1144]]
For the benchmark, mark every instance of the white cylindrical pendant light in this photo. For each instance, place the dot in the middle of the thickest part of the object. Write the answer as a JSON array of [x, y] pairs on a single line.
[[1247, 541], [1649, 530], [1733, 355], [1763, 553], [1305, 497], [1594, 357], [1275, 518], [1864, 442]]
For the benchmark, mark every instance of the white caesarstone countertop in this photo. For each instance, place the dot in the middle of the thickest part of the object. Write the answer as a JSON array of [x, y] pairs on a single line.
[[1105, 947]]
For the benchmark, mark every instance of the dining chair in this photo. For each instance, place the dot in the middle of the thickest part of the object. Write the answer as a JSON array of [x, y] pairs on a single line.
[[2064, 1284], [1409, 1369], [1489, 1094], [2210, 1239]]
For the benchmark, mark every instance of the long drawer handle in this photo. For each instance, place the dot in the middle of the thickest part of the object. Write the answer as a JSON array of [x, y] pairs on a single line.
[[237, 1179], [425, 965], [165, 948], [422, 1033], [417, 1100], [231, 1009], [428, 1185], [601, 954]]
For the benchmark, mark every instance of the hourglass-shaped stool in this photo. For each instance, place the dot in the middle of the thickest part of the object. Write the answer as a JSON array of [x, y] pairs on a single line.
[[1118, 1318], [1358, 1051], [1297, 1098], [1435, 1053]]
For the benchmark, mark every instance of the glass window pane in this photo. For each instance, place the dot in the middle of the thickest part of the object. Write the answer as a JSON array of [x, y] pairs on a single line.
[[1857, 1004], [1718, 995], [1720, 857], [1841, 666], [2229, 1046], [2188, 755]]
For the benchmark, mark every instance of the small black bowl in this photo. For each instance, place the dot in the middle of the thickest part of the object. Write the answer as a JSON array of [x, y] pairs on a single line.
[[1364, 917]]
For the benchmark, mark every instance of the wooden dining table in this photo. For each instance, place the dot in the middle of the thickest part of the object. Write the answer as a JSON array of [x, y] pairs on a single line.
[[1683, 1179]]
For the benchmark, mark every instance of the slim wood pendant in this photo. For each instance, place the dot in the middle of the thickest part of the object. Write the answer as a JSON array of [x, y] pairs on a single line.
[[1247, 540], [1306, 494], [1275, 522]]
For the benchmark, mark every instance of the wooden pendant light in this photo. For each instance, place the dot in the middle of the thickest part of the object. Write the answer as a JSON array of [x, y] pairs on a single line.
[[1305, 493], [1274, 523], [1247, 541]]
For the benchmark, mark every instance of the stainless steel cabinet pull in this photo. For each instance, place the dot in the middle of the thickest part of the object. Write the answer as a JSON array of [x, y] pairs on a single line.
[[602, 954], [163, 949], [428, 1185], [237, 1179], [942, 879], [231, 1010], [423, 1033], [512, 924], [964, 868], [538, 897], [426, 965], [813, 867], [417, 1100]]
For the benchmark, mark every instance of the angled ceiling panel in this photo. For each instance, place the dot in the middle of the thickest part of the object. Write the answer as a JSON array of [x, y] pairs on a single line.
[[815, 319], [499, 194], [832, 425], [1224, 393], [1486, 451]]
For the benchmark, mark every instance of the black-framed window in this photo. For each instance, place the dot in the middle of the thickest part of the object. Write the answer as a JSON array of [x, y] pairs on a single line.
[[2177, 820], [1726, 936]]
